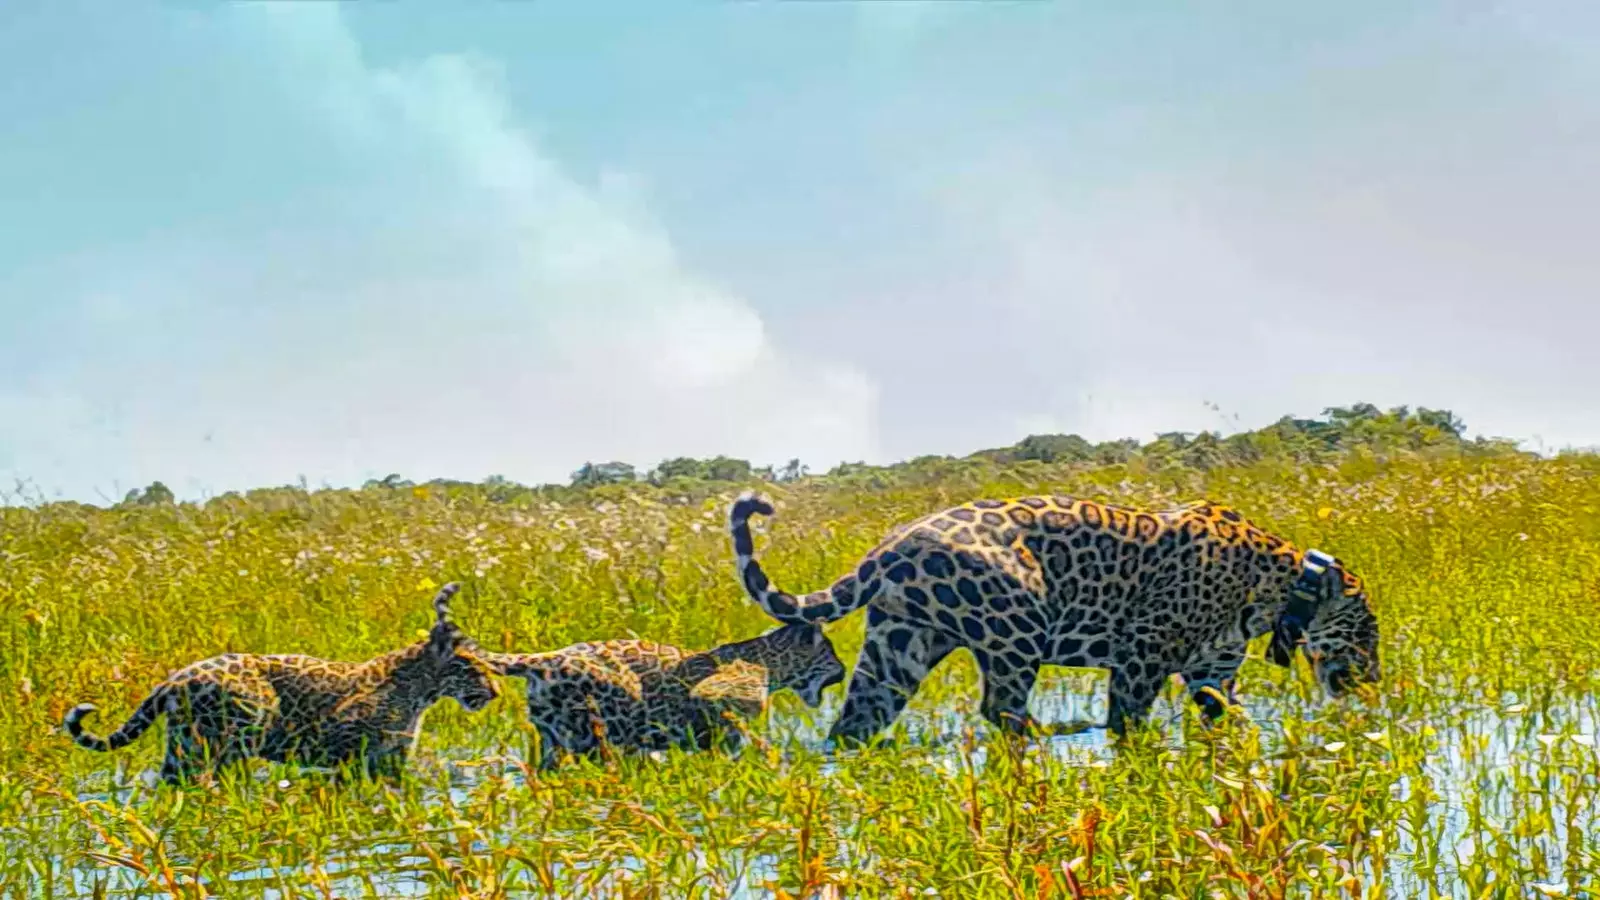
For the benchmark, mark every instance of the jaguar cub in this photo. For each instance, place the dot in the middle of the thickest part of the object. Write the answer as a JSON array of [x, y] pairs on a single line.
[[643, 696], [293, 708]]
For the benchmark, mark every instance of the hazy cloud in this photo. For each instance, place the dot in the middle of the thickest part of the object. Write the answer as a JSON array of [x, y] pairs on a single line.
[[487, 313], [1402, 218]]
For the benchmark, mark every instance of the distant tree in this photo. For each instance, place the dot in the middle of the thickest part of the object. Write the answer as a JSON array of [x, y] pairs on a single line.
[[603, 473], [1344, 415], [156, 494], [500, 489], [846, 469], [721, 468], [1052, 448], [1113, 452], [682, 467], [1205, 451], [725, 468], [1442, 419], [792, 471]]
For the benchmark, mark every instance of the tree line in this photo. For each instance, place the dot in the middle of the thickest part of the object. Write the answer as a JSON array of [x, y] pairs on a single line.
[[1340, 432]]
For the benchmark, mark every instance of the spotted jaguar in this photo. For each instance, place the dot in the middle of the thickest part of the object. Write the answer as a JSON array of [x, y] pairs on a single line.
[[641, 696], [292, 708], [1056, 580]]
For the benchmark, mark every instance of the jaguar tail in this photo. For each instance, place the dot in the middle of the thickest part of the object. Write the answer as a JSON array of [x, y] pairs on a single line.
[[834, 602], [141, 720]]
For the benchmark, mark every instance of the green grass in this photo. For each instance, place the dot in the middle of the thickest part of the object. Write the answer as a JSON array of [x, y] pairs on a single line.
[[1474, 773]]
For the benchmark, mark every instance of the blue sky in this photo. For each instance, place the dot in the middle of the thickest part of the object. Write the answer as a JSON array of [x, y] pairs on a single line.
[[253, 242]]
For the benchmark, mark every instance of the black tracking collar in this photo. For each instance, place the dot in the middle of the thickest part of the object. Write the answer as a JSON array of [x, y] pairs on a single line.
[[1305, 595]]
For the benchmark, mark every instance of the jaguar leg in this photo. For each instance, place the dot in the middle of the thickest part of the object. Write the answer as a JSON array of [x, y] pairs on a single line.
[[549, 746], [1210, 683], [390, 765], [897, 655], [1131, 699], [1005, 693], [185, 756]]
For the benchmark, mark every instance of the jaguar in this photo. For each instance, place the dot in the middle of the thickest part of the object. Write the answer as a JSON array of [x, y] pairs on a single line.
[[293, 708], [644, 696], [1034, 580]]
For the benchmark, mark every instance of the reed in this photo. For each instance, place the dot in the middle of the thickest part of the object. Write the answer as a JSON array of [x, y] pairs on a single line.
[[1472, 773]]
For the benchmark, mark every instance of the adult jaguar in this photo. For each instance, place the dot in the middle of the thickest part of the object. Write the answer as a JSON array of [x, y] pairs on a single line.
[[641, 695], [1036, 580], [294, 708]]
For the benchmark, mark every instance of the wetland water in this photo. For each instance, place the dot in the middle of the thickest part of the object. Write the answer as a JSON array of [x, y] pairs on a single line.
[[1492, 772]]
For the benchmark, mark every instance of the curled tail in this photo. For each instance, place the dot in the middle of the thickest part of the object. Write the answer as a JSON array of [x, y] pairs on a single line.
[[830, 604], [137, 724]]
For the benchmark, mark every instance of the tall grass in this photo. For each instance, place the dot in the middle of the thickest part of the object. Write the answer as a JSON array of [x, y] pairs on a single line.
[[1474, 774]]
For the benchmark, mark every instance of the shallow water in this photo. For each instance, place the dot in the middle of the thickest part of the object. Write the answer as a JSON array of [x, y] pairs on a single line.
[[1470, 791]]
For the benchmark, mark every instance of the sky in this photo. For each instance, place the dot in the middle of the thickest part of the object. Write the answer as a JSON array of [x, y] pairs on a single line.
[[247, 244]]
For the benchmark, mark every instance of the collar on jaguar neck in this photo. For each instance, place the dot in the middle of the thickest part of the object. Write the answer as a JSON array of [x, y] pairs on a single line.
[[1305, 595]]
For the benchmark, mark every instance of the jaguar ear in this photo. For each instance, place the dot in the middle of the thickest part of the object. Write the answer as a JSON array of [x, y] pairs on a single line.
[[1305, 594]]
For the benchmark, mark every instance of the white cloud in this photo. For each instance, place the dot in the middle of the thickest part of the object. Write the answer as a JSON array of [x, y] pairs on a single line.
[[487, 313], [1154, 308], [1430, 250]]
